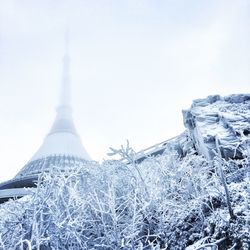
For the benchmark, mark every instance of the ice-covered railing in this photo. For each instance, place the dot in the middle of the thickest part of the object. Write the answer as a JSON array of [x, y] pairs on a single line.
[[154, 150]]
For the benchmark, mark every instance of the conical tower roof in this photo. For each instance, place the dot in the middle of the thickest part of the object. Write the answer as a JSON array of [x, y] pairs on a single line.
[[62, 142]]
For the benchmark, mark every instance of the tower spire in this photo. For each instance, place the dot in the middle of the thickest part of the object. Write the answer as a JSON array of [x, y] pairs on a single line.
[[62, 147], [62, 138], [64, 121], [65, 97]]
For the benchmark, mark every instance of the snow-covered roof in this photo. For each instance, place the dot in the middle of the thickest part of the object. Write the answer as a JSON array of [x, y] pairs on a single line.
[[225, 120]]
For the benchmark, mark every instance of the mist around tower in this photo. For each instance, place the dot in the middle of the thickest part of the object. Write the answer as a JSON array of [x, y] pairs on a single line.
[[130, 131]]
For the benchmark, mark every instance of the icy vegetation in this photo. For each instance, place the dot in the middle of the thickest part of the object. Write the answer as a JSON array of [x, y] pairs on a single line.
[[196, 195]]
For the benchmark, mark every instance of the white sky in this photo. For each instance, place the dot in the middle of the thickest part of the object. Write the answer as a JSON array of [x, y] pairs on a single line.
[[135, 65]]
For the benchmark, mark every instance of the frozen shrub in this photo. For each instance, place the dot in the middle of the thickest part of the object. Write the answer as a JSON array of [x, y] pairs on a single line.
[[165, 202]]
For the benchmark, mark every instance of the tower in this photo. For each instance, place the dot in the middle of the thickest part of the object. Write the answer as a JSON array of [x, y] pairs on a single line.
[[61, 148]]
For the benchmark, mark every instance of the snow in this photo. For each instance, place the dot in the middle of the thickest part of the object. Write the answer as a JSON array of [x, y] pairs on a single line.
[[172, 201], [225, 118]]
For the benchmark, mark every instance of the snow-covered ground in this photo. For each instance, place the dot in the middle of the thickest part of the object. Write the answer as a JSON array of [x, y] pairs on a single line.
[[178, 200]]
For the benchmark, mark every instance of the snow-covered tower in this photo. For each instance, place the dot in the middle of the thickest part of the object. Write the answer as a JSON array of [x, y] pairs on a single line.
[[61, 148]]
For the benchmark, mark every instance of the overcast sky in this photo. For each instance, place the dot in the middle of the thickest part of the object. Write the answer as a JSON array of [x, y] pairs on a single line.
[[135, 65]]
